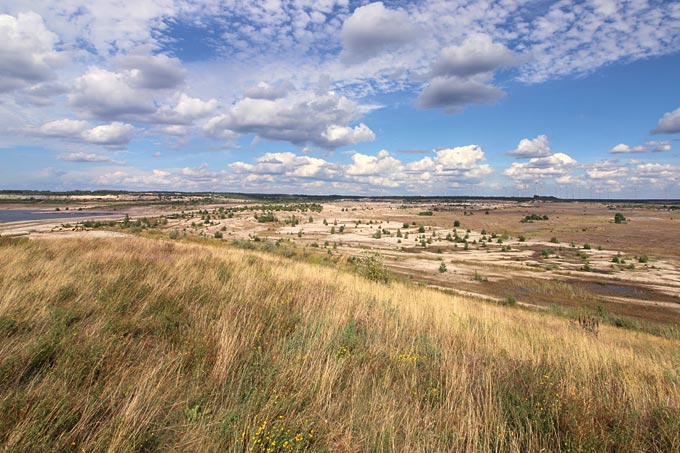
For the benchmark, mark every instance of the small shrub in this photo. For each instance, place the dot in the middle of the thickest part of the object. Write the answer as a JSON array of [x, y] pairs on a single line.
[[554, 240], [218, 235], [619, 218], [442, 268], [643, 259], [373, 268], [587, 246], [456, 223], [509, 301], [590, 324]]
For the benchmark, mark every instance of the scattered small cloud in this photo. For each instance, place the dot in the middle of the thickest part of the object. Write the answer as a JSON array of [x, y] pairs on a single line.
[[669, 123], [115, 134], [648, 147], [529, 148], [88, 158]]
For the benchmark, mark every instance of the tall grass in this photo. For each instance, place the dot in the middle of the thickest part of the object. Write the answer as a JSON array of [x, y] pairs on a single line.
[[139, 345]]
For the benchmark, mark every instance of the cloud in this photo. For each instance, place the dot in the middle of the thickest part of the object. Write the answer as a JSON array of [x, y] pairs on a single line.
[[454, 93], [287, 166], [654, 173], [527, 148], [264, 90], [448, 168], [381, 164], [115, 134], [477, 54], [461, 74], [106, 95], [137, 178], [300, 118], [452, 167], [152, 71], [41, 94], [669, 123], [88, 158], [27, 52], [173, 129], [371, 29], [185, 111], [133, 96], [337, 136], [555, 166], [647, 147], [577, 38], [66, 128]]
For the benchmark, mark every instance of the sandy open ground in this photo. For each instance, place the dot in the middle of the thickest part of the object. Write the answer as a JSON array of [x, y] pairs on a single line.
[[566, 260]]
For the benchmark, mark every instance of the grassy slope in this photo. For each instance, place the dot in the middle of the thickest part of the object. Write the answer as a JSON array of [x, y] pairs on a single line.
[[138, 344]]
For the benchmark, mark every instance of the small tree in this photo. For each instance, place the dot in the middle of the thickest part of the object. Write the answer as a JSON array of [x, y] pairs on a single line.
[[442, 268], [456, 223], [373, 268], [619, 218], [421, 229]]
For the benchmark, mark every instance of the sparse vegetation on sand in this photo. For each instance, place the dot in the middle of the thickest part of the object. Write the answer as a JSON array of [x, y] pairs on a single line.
[[142, 345]]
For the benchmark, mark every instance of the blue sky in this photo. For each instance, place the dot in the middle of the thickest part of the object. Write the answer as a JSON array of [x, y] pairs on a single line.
[[426, 97]]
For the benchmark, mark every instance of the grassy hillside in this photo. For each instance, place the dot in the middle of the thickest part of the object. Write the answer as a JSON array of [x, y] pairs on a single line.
[[138, 345]]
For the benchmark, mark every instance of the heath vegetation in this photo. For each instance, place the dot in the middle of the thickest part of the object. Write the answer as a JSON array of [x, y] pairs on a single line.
[[133, 344]]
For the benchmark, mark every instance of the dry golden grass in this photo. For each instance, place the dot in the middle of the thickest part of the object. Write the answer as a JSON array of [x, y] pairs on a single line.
[[137, 345]]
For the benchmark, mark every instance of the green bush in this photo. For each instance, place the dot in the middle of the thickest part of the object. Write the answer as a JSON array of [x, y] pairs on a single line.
[[373, 268]]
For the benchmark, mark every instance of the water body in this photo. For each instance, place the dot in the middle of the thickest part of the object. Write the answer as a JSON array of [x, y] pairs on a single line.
[[21, 215]]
